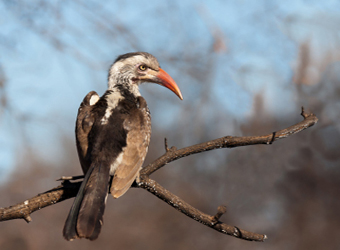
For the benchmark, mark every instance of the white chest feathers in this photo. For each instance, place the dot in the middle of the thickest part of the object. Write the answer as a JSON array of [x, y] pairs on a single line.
[[112, 102]]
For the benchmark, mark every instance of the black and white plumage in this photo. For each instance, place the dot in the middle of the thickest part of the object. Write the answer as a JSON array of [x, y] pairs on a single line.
[[112, 136]]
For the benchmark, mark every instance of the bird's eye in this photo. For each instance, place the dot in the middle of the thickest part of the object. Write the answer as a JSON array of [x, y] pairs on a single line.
[[142, 67]]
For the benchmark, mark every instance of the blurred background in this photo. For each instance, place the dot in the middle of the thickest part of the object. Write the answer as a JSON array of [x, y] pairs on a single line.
[[244, 68]]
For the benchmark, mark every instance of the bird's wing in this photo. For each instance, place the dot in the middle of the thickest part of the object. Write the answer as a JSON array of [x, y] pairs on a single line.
[[129, 162], [84, 124]]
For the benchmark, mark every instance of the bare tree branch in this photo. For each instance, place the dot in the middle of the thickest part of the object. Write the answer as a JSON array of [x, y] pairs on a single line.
[[229, 142], [208, 220], [24, 209], [68, 190]]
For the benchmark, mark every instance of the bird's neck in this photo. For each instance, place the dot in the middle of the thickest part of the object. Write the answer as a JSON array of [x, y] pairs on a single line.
[[124, 86]]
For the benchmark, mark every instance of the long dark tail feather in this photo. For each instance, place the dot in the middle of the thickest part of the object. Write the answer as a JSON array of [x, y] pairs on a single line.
[[69, 230], [91, 212], [86, 215]]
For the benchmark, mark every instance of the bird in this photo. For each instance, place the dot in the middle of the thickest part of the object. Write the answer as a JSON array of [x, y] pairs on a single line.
[[112, 138]]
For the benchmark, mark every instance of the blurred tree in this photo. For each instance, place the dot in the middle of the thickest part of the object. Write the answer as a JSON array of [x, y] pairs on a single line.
[[288, 191]]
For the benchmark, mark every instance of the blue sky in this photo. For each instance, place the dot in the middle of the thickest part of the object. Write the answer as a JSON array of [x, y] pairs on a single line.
[[49, 69]]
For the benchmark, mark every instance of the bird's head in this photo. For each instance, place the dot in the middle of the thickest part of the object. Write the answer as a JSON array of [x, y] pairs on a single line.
[[133, 69]]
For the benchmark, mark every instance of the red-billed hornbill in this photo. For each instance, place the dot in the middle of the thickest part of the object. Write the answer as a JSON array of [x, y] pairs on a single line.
[[113, 135]]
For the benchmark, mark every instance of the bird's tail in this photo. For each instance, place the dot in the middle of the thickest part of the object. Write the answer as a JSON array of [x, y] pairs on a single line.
[[86, 215]]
